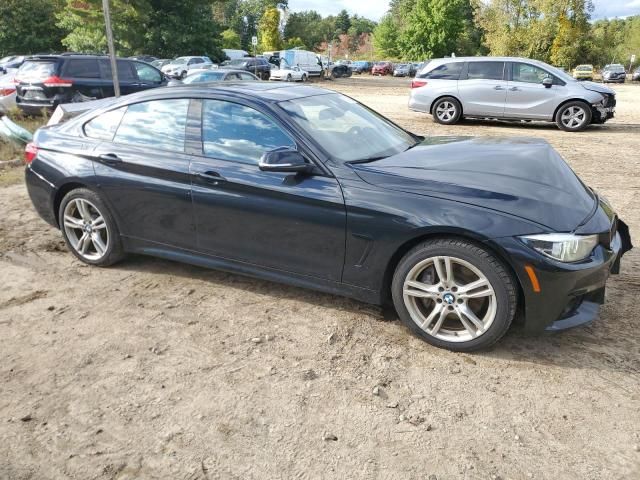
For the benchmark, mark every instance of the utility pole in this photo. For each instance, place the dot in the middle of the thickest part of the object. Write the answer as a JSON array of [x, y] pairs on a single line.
[[112, 52]]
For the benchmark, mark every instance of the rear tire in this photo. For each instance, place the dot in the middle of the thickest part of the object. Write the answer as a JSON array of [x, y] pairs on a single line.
[[573, 116], [446, 111], [88, 228], [434, 294]]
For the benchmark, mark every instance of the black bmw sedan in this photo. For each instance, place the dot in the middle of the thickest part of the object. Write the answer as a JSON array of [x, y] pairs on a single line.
[[305, 186]]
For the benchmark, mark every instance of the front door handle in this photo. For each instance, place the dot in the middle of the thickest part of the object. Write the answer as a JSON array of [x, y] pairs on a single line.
[[110, 158], [514, 89], [211, 177], [498, 87]]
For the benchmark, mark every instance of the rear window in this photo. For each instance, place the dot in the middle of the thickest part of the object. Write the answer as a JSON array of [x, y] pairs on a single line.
[[448, 71], [82, 68], [486, 70], [33, 71]]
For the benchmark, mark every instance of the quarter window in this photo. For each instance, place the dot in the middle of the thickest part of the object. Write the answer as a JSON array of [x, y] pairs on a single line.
[[158, 124], [104, 126], [238, 133], [448, 71], [486, 70]]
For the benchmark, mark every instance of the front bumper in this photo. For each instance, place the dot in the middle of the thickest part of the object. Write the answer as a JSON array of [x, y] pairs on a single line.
[[570, 294]]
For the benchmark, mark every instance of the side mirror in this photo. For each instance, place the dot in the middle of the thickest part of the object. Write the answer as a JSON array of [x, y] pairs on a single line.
[[547, 82], [284, 160]]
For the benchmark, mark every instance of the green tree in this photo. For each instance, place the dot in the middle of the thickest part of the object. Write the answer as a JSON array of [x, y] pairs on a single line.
[[306, 26], [29, 26], [295, 42], [230, 39], [270, 30], [343, 23], [385, 38]]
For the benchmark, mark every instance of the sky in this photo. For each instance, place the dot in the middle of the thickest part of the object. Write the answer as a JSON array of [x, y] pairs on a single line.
[[374, 9]]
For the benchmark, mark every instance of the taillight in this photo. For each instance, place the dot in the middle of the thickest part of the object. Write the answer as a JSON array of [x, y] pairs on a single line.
[[416, 83], [30, 152], [55, 81], [6, 91]]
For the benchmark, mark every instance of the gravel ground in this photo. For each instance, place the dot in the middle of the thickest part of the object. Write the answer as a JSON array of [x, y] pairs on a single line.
[[152, 369]]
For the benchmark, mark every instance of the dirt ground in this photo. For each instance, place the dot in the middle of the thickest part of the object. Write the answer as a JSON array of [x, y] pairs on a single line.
[[152, 369]]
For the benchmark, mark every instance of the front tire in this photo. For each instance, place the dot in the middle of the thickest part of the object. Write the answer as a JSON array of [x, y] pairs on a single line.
[[88, 228], [573, 116], [454, 294], [447, 111]]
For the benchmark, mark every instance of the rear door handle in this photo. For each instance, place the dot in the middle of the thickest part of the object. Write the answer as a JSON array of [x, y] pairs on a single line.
[[514, 89], [110, 158], [211, 177], [498, 87]]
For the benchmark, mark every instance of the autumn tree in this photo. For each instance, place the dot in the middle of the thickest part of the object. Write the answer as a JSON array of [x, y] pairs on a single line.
[[269, 31]]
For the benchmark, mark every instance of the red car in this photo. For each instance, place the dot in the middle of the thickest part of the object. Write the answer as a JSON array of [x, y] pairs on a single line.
[[382, 68]]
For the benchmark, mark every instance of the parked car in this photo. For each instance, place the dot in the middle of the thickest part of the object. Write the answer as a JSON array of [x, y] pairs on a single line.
[[382, 68], [508, 88], [144, 58], [415, 67], [362, 66], [11, 62], [613, 73], [7, 91], [45, 81], [308, 61], [258, 66], [287, 73], [161, 62], [401, 70], [635, 77], [584, 72], [339, 70], [220, 75], [306, 186], [179, 68]]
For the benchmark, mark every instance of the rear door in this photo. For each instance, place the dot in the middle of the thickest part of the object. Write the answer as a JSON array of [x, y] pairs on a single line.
[[526, 95], [88, 83], [483, 88], [143, 171]]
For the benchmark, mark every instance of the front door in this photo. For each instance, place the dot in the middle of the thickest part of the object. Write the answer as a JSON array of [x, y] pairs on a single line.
[[483, 90], [526, 95], [288, 222]]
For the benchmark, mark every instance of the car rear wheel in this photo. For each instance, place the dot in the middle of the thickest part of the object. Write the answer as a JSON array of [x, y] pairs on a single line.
[[89, 229], [289, 78], [454, 294], [573, 116], [447, 111]]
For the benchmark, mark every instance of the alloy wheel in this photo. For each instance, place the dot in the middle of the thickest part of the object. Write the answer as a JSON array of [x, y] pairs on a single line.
[[86, 229], [446, 111], [573, 117], [449, 299]]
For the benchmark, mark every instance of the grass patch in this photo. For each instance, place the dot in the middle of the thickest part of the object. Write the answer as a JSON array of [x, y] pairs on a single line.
[[11, 176]]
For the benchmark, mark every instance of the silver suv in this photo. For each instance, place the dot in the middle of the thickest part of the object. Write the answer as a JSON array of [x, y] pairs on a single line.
[[509, 89]]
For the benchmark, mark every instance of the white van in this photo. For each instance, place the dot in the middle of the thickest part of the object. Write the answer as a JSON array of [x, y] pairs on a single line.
[[235, 54], [307, 61]]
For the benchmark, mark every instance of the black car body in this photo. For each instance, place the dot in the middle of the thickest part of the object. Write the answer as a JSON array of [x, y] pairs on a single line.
[[305, 216], [259, 66], [341, 70], [45, 81]]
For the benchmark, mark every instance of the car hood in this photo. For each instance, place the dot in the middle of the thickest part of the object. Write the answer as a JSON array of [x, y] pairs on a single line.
[[596, 87], [523, 177]]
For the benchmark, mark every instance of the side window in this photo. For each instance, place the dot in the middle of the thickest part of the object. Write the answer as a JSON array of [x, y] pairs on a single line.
[[448, 71], [104, 126], [126, 72], [147, 73], [523, 72], [486, 70], [245, 76], [158, 124], [82, 68], [239, 134]]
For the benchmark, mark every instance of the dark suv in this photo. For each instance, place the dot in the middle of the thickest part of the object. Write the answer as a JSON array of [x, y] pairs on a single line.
[[45, 81], [256, 65]]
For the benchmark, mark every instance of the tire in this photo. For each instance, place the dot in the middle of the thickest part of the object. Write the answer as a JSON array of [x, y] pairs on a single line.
[[183, 75], [573, 116], [447, 111], [106, 231], [304, 78], [334, 74], [440, 306], [289, 78]]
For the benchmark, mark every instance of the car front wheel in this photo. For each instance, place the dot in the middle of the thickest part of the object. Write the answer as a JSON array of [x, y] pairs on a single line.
[[89, 229], [573, 116], [447, 111], [454, 294]]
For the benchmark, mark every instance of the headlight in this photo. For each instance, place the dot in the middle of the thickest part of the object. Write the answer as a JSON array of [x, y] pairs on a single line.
[[564, 247]]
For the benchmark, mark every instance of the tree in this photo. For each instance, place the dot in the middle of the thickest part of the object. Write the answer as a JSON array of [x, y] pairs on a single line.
[[230, 39], [306, 26], [343, 23], [269, 30], [432, 29], [28, 26], [385, 38]]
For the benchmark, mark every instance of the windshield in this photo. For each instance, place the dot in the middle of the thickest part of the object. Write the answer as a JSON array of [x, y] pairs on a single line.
[[347, 130], [614, 68], [238, 61], [6, 59]]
